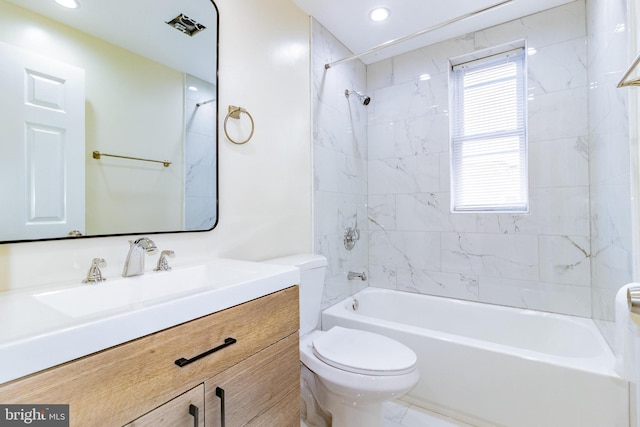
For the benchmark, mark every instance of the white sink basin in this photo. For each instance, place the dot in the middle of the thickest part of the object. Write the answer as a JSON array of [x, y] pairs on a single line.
[[85, 318], [121, 292]]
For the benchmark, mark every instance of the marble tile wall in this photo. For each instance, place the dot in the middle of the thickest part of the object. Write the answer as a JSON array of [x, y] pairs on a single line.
[[389, 163], [540, 260], [200, 155], [610, 169], [339, 164]]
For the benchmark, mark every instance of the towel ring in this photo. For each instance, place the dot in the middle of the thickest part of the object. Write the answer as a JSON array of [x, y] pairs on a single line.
[[234, 113]]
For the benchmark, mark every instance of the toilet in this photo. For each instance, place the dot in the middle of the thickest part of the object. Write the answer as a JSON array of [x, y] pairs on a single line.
[[346, 374]]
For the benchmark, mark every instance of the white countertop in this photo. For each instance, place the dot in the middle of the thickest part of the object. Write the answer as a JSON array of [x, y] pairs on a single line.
[[43, 327]]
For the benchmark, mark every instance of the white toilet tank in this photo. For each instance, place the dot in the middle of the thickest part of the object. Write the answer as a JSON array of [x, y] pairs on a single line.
[[312, 268]]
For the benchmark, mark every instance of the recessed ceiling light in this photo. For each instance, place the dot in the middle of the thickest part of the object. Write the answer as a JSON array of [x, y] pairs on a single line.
[[379, 14], [71, 4]]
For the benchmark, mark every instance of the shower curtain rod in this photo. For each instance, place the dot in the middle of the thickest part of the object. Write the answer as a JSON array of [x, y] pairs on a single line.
[[410, 36]]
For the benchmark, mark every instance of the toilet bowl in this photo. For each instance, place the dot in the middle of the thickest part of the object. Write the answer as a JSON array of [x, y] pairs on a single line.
[[346, 374]]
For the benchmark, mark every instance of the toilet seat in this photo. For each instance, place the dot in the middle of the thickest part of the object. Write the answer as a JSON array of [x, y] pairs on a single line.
[[363, 352]]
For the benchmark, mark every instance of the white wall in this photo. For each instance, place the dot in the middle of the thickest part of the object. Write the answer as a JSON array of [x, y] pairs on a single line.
[[265, 185]]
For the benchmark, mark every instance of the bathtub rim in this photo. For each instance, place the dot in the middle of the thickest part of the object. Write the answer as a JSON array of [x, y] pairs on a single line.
[[602, 364]]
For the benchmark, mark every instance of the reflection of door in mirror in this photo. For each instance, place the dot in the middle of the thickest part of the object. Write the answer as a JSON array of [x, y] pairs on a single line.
[[135, 105], [42, 163]]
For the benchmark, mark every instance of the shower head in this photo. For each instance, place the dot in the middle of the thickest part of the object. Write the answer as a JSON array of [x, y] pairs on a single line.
[[364, 99], [200, 104]]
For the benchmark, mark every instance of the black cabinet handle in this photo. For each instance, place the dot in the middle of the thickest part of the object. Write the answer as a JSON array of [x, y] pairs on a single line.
[[227, 342], [220, 394], [193, 410]]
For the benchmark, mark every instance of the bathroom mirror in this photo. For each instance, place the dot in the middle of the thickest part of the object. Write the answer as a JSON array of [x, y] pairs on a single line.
[[108, 116]]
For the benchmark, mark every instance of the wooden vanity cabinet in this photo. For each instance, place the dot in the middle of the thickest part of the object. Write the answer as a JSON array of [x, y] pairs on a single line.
[[139, 383], [186, 410], [247, 390]]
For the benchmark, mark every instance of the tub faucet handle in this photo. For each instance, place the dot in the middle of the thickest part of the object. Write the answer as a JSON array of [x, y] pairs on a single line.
[[95, 275], [351, 236]]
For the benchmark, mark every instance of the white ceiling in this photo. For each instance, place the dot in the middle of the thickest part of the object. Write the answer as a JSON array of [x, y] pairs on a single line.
[[349, 21], [140, 26]]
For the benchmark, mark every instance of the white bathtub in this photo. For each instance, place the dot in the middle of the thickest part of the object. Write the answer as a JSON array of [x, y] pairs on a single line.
[[496, 366]]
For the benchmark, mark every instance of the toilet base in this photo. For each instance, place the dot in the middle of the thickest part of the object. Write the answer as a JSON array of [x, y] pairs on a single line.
[[322, 408], [354, 414], [311, 412]]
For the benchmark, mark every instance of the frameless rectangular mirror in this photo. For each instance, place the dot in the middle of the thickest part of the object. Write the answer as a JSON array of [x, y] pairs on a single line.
[[108, 118]]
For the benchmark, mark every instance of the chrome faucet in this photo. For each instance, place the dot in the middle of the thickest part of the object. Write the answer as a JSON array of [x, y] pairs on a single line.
[[134, 264]]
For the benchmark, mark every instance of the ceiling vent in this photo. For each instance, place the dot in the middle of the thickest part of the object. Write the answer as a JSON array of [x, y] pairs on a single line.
[[186, 25]]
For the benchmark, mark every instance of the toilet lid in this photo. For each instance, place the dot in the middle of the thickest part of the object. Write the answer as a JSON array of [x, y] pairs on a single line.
[[363, 352]]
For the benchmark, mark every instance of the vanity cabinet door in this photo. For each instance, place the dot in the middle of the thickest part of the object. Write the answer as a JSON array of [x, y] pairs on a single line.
[[284, 413], [186, 410], [260, 391]]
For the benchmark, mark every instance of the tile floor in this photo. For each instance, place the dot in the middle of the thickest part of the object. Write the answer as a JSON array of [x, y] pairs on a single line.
[[401, 414]]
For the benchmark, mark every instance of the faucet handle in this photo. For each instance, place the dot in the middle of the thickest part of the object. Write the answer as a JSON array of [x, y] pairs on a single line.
[[95, 275], [163, 262]]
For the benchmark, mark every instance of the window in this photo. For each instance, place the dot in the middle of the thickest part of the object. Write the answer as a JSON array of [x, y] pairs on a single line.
[[488, 133]]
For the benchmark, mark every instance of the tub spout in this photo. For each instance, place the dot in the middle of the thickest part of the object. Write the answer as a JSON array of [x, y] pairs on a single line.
[[353, 275]]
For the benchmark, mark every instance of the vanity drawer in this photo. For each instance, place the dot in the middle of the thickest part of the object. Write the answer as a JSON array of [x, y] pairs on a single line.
[[117, 385]]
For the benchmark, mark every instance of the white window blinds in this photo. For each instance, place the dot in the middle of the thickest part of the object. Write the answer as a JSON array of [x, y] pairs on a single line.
[[488, 138]]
